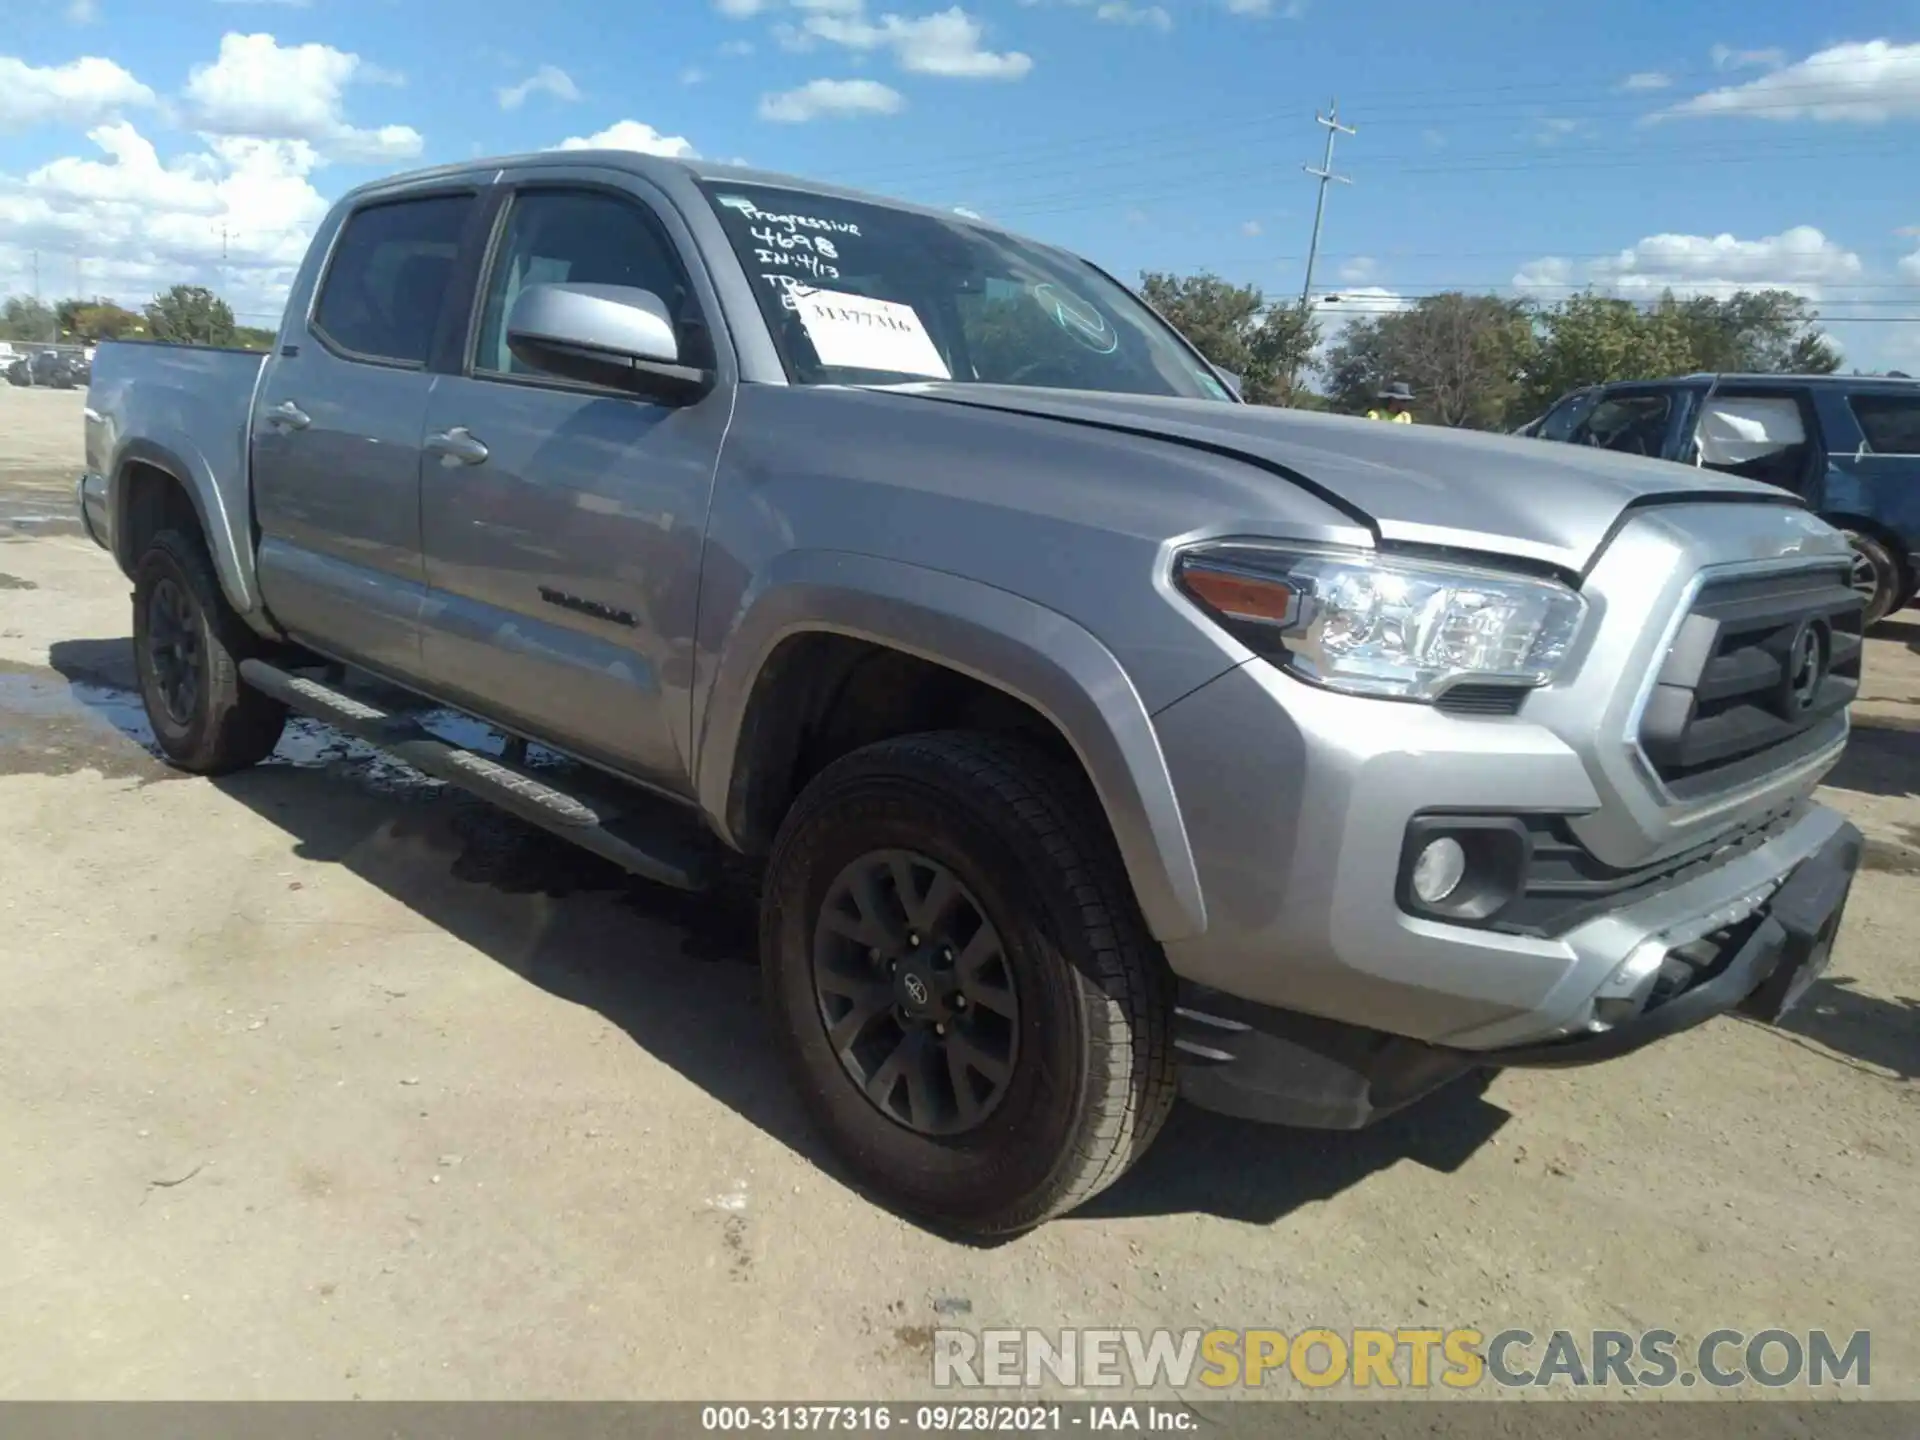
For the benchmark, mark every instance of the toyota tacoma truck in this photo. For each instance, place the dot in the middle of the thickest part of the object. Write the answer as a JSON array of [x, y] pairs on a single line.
[[1093, 737]]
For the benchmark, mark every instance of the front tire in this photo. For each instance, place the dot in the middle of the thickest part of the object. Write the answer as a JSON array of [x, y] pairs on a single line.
[[969, 1000], [187, 648]]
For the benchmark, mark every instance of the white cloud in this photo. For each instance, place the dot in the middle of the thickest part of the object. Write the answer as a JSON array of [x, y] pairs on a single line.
[[1124, 12], [1553, 129], [1800, 259], [944, 43], [283, 4], [547, 80], [1337, 311], [693, 75], [1250, 227], [1910, 266], [740, 9], [262, 89], [735, 49], [76, 93], [236, 216], [1285, 9], [632, 135], [1647, 80], [824, 99], [1359, 270], [1865, 83], [1549, 272], [83, 12], [1120, 12], [1725, 57]]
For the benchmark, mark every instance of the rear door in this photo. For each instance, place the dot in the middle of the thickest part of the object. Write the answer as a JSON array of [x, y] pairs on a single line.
[[1768, 433], [564, 523], [336, 433], [1873, 468]]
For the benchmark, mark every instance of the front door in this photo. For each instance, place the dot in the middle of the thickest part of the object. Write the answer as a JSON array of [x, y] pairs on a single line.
[[336, 437], [562, 522]]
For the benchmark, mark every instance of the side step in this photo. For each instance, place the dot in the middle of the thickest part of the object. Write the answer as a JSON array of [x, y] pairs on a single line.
[[625, 833]]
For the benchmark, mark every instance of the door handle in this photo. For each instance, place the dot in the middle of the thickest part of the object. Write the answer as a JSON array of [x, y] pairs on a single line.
[[288, 416], [456, 447]]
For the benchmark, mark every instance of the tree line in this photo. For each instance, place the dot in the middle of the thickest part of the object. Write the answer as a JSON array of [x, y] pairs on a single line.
[[1486, 362], [1481, 361], [184, 314]]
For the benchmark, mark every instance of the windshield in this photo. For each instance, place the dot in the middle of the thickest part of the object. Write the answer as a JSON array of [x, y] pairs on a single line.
[[857, 293]]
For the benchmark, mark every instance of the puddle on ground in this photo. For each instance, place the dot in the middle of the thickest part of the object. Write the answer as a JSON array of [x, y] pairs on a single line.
[[59, 724]]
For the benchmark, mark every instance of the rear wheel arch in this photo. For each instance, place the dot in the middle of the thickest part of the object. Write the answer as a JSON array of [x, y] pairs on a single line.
[[147, 465], [151, 497]]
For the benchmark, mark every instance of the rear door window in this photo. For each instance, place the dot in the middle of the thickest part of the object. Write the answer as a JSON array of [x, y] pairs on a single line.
[[389, 277], [1890, 423]]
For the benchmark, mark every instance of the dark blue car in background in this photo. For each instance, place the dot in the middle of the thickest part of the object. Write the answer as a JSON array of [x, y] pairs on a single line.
[[1847, 444]]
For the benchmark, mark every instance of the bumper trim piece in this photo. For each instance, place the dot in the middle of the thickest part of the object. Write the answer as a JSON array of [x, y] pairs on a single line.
[[1283, 1067], [1782, 953]]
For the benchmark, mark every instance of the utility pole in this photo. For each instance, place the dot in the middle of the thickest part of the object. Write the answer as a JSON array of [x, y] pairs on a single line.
[[1331, 120]]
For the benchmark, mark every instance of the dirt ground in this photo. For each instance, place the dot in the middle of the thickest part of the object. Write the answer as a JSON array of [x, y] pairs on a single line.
[[321, 1081]]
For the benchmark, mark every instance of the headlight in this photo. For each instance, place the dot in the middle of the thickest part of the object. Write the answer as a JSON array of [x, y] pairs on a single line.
[[1380, 624]]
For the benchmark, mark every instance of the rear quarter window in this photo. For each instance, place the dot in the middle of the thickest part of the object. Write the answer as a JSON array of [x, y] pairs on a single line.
[[388, 278], [1890, 423]]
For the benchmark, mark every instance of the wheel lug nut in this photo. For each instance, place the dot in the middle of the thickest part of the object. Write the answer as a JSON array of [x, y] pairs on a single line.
[[913, 940], [874, 956], [892, 965], [939, 1029], [959, 1002]]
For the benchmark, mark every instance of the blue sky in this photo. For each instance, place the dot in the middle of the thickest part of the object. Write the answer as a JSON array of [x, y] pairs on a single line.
[[1539, 147]]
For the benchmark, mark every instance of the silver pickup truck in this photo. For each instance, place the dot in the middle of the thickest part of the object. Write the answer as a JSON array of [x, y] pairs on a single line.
[[1096, 737]]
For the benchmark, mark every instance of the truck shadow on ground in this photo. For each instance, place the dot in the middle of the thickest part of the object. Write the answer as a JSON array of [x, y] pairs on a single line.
[[677, 973], [1855, 1026]]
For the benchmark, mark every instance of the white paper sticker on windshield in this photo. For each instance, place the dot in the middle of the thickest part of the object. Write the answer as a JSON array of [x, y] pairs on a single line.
[[867, 334]]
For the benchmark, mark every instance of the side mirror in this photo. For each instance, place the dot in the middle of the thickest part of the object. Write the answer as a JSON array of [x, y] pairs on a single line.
[[611, 335], [1235, 383]]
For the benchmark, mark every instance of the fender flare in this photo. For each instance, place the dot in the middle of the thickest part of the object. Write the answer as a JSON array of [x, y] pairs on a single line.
[[1032, 653], [173, 453]]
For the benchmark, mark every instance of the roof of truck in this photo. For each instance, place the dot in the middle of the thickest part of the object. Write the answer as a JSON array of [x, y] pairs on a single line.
[[660, 168]]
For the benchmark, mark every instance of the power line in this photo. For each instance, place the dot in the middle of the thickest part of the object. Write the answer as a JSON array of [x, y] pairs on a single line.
[[1787, 96]]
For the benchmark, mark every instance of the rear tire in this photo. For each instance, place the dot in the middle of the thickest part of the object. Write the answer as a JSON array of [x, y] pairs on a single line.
[[1876, 565], [187, 648], [1072, 1001]]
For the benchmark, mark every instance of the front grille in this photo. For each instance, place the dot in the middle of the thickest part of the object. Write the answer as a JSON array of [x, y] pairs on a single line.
[[1757, 671]]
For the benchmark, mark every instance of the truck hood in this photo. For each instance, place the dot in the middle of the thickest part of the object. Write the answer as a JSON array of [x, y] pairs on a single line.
[[1414, 484]]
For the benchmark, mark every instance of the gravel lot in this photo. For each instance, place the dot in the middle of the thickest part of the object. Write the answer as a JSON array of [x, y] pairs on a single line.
[[320, 1081]]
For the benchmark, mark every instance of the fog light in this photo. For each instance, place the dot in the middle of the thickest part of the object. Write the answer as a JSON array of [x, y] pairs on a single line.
[[1439, 870]]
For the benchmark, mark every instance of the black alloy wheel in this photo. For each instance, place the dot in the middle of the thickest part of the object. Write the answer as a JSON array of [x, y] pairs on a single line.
[[911, 978], [173, 650]]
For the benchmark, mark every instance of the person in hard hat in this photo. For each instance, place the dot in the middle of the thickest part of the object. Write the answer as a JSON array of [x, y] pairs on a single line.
[[1396, 399]]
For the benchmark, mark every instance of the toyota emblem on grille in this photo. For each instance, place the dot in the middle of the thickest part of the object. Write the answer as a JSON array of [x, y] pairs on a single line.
[[916, 990], [1806, 667]]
